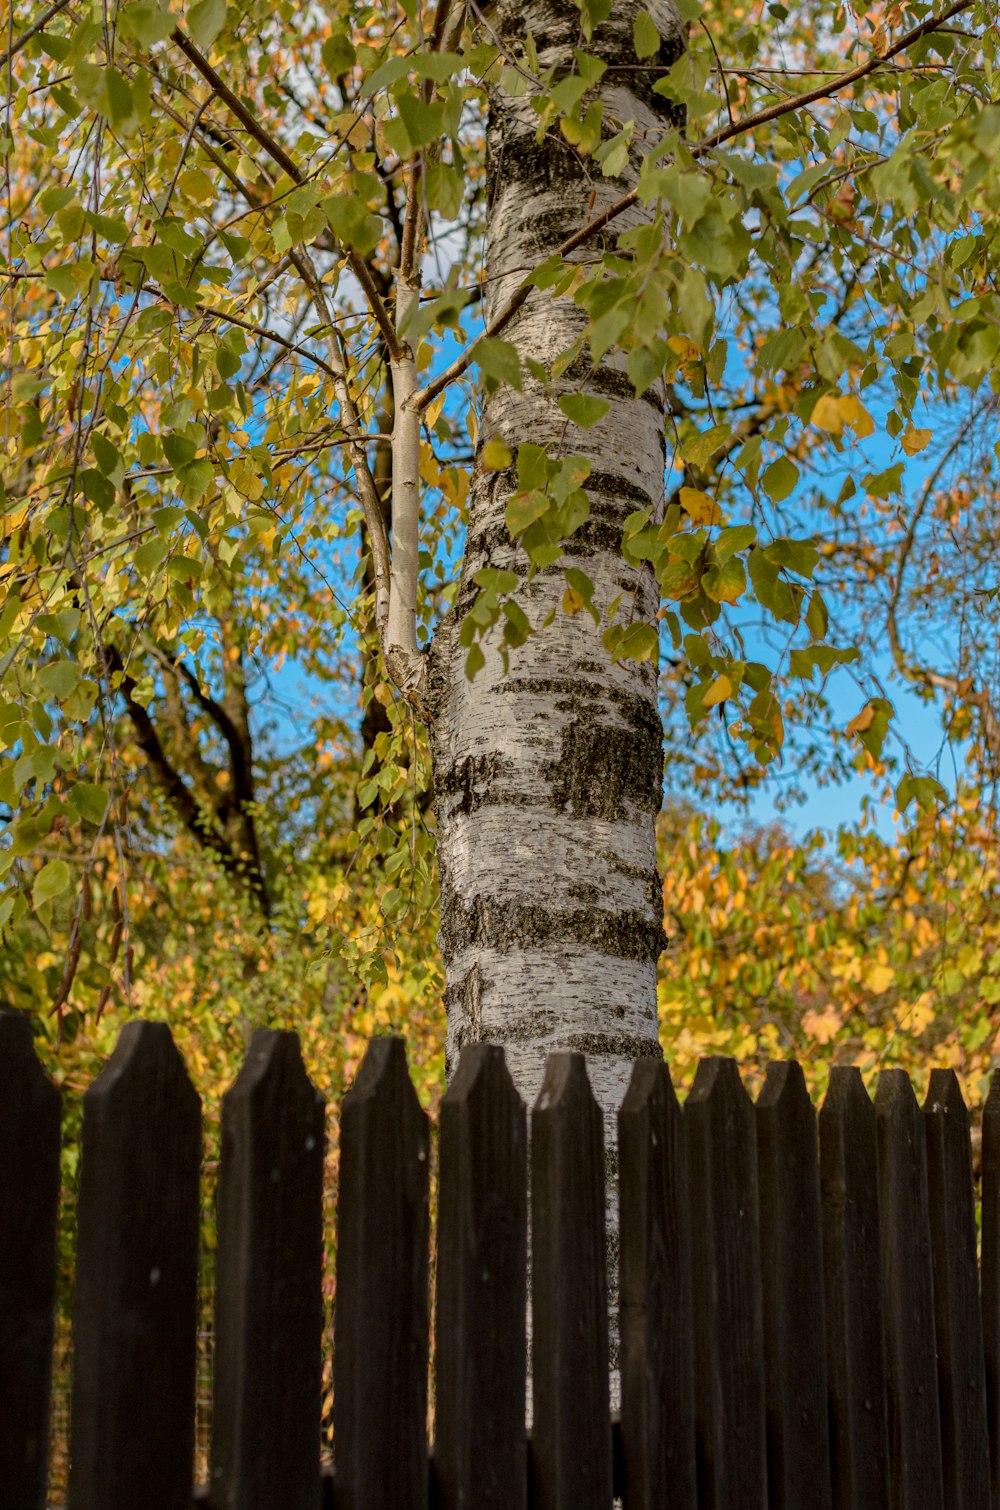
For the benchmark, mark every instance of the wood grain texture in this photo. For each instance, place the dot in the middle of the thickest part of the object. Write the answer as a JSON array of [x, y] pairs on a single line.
[[908, 1293], [571, 1439], [269, 1303], [30, 1113], [657, 1363], [958, 1323], [135, 1308], [480, 1355], [381, 1312], [798, 1439], [859, 1444], [726, 1289]]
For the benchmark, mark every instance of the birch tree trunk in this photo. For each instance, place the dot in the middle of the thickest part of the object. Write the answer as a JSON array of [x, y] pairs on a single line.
[[548, 773]]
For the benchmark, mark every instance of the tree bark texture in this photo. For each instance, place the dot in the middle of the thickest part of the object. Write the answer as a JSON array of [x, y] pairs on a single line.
[[548, 771]]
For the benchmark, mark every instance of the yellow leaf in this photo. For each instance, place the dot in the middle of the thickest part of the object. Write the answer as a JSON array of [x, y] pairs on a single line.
[[572, 601], [879, 978], [717, 693], [701, 508], [496, 456], [827, 415], [862, 720], [833, 411], [914, 441], [434, 410], [823, 1026], [684, 348], [856, 415]]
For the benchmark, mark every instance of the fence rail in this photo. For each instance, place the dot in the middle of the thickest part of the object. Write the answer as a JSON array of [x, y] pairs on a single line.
[[802, 1322]]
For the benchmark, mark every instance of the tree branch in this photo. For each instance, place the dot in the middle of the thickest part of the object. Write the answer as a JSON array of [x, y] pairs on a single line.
[[783, 107], [277, 153]]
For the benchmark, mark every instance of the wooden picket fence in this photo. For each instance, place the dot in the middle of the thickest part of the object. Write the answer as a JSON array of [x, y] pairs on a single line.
[[801, 1316]]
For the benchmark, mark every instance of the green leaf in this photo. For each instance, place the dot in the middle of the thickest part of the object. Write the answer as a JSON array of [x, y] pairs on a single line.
[[59, 678], [147, 23], [474, 661], [493, 580], [779, 479], [51, 881], [338, 53], [205, 20], [645, 36], [499, 360], [90, 801], [583, 409], [523, 509], [726, 583], [640, 642]]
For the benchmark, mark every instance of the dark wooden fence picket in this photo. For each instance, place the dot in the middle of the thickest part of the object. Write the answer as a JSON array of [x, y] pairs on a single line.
[[859, 1445], [798, 1442], [30, 1112], [480, 1455], [797, 1333], [268, 1285], [990, 1288], [135, 1311], [571, 1436], [381, 1311], [961, 1371], [657, 1366], [726, 1290], [908, 1297]]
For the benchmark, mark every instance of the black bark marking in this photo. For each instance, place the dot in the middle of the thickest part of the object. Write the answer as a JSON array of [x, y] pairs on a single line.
[[607, 771], [509, 923]]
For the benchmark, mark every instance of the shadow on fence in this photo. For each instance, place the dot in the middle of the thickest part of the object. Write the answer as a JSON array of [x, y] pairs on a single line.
[[801, 1317]]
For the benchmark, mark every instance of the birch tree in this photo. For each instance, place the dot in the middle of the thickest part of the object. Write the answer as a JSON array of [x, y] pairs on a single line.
[[272, 269]]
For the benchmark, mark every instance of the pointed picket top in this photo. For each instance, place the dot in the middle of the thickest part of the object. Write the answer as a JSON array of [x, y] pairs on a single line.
[[135, 1304], [650, 1091], [145, 1064], [30, 1115], [908, 1295], [269, 1272], [958, 1321], [381, 1311], [784, 1093], [571, 1441], [792, 1269], [846, 1096], [383, 1077], [565, 1084], [480, 1453], [657, 1368], [274, 1055], [717, 1078]]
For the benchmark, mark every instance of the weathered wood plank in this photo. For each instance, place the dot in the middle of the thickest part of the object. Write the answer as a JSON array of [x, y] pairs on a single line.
[[135, 1311], [991, 1277], [726, 1290], [798, 1441], [380, 1317], [269, 1272], [571, 1439], [30, 1112], [908, 1295], [958, 1320], [657, 1363], [480, 1355], [859, 1445]]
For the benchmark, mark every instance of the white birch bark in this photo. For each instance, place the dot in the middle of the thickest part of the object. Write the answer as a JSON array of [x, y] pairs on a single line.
[[548, 774]]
